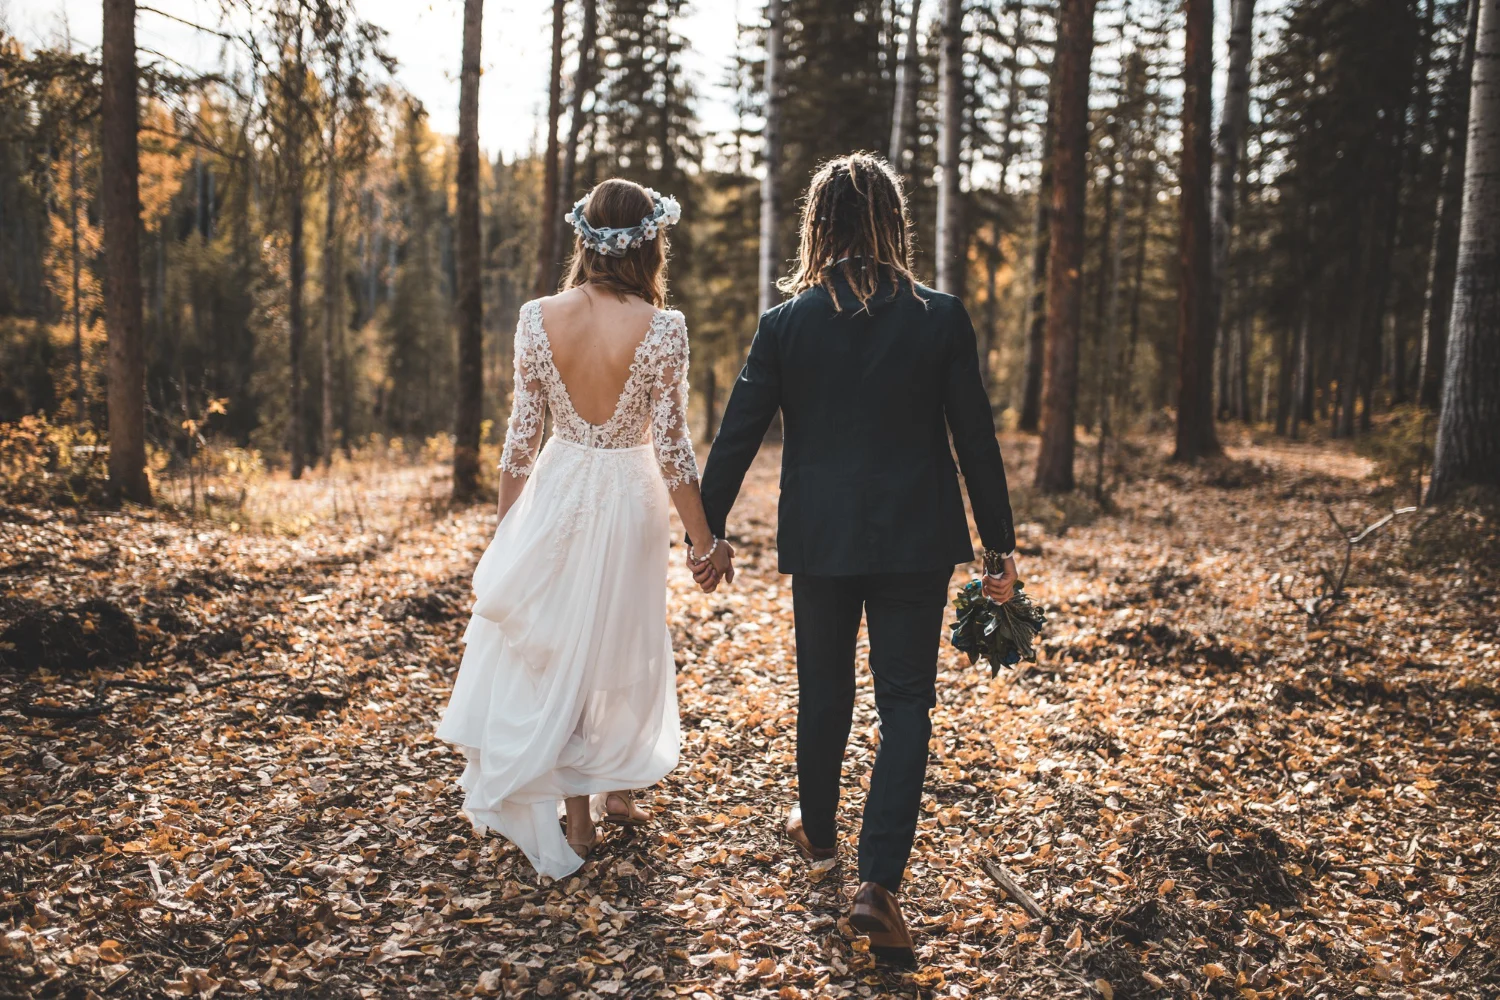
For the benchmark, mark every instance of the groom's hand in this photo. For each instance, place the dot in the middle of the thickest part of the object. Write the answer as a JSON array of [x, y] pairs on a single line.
[[1003, 587], [706, 577], [723, 561]]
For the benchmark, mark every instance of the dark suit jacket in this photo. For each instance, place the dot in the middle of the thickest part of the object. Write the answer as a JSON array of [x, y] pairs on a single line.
[[868, 400]]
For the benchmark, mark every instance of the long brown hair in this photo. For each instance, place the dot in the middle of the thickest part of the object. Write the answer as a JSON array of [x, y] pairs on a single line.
[[618, 204], [854, 220]]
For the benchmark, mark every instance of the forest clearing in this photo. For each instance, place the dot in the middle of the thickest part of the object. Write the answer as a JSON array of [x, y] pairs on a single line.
[[1208, 792]]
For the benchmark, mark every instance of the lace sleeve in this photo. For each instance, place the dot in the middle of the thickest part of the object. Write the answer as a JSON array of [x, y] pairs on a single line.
[[669, 398], [528, 407]]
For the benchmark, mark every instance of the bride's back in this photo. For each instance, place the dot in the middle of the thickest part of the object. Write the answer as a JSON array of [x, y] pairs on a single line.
[[594, 336]]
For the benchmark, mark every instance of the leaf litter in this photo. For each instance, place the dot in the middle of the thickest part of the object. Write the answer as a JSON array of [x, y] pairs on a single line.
[[1206, 794]]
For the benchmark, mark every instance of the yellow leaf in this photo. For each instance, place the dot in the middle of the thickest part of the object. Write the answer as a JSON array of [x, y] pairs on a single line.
[[1213, 970], [1075, 940], [1167, 887], [1106, 990]]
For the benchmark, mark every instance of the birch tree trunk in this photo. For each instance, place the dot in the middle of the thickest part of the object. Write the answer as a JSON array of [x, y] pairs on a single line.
[[466, 423], [583, 84], [1468, 436], [950, 210], [546, 258], [120, 193], [1230, 141], [1195, 326], [1075, 46], [906, 87], [1437, 306], [770, 264]]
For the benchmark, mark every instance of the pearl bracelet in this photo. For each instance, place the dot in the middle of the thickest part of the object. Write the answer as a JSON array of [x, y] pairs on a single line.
[[706, 556]]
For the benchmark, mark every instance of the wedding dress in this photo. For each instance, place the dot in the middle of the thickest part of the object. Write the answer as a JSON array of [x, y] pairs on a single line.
[[567, 685]]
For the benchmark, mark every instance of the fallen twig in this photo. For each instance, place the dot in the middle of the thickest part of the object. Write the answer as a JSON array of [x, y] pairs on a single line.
[[1012, 888]]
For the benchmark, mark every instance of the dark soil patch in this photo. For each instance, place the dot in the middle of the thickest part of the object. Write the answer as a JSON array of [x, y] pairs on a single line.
[[92, 634]]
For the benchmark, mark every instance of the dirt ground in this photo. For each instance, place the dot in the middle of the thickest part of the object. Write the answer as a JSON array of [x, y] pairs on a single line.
[[218, 773]]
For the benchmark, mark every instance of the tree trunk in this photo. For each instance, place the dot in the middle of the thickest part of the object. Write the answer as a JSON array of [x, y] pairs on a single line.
[[1036, 331], [120, 194], [1229, 143], [296, 255], [79, 397], [583, 83], [296, 321], [546, 258], [466, 424], [770, 264], [907, 84], [330, 274], [1075, 45], [950, 206], [1468, 444], [1195, 320], [1437, 306]]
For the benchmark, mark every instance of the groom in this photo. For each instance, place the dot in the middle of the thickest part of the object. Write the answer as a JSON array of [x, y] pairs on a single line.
[[871, 373]]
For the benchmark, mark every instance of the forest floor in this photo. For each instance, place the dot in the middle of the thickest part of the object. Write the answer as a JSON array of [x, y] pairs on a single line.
[[1211, 791]]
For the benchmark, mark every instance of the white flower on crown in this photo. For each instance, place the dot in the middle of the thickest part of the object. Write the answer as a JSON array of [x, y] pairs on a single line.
[[649, 231], [622, 240], [671, 210]]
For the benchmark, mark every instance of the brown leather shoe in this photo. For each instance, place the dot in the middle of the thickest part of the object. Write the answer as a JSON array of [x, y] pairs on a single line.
[[877, 914], [798, 836]]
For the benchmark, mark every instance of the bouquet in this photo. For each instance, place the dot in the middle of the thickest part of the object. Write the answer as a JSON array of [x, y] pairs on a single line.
[[1004, 634]]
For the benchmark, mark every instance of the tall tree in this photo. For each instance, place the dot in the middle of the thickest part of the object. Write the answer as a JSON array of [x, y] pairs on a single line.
[[1229, 142], [1468, 437], [547, 265], [1195, 327], [583, 85], [1075, 47], [1036, 329], [770, 263], [466, 424], [908, 81], [122, 257], [950, 208], [1438, 303]]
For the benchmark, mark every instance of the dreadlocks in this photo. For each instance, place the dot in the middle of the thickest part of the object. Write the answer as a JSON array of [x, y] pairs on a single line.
[[854, 219]]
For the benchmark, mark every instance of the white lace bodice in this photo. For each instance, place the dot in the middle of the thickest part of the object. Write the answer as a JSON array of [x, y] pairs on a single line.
[[655, 397]]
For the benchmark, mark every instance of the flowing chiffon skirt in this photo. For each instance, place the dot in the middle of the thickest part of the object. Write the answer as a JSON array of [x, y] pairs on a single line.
[[567, 685]]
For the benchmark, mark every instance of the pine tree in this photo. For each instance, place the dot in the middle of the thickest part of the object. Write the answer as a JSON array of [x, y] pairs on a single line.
[[466, 429], [547, 263], [1195, 419], [122, 210], [770, 200], [1075, 45]]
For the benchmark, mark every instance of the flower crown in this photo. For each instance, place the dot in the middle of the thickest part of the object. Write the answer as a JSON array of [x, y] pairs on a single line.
[[617, 242]]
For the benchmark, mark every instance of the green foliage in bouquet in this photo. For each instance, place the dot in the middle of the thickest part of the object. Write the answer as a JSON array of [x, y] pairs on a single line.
[[1004, 634]]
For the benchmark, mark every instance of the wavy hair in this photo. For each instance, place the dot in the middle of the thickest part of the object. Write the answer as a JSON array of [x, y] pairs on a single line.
[[642, 271], [854, 221]]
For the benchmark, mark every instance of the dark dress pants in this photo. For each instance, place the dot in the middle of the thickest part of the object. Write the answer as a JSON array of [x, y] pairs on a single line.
[[905, 615]]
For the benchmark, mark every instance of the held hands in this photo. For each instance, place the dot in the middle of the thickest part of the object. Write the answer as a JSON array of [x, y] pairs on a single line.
[[1003, 587], [718, 565]]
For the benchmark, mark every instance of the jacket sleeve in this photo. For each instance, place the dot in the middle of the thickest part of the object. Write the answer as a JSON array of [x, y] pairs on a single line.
[[752, 404], [972, 425]]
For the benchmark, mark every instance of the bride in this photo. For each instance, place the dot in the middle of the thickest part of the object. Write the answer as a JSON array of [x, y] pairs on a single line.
[[567, 686]]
